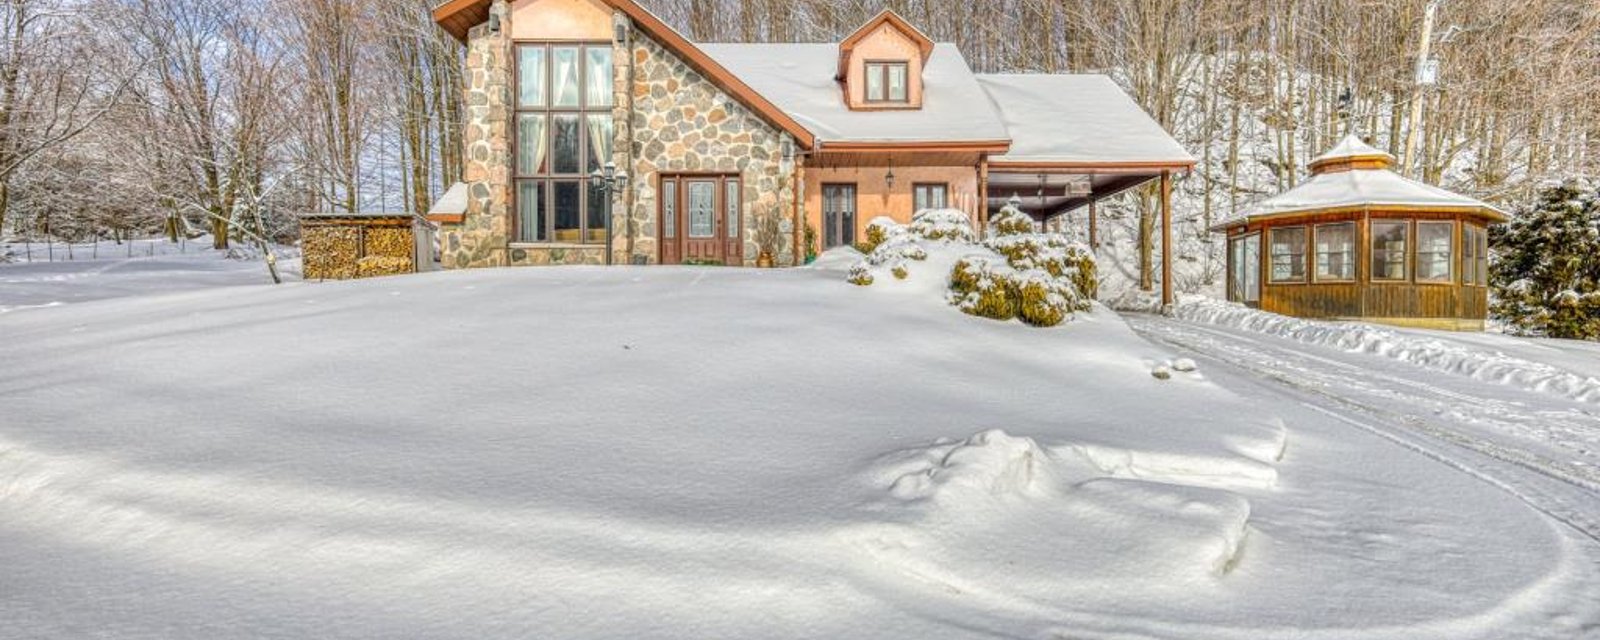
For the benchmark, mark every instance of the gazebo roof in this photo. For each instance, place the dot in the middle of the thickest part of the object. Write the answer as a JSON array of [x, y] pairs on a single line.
[[1354, 175]]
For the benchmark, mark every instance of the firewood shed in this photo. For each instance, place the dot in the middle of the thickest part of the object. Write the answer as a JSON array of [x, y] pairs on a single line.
[[341, 246]]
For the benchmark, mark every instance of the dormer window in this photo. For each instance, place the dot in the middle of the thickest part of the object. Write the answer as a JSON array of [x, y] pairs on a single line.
[[886, 82]]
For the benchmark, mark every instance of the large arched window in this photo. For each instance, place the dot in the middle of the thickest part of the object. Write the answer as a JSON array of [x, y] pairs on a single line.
[[563, 132]]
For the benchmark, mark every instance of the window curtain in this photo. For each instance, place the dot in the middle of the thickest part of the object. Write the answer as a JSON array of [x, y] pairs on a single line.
[[530, 144], [599, 77], [600, 139], [565, 76]]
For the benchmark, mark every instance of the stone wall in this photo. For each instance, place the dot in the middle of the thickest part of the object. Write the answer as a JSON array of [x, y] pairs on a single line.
[[684, 123], [481, 239], [668, 119]]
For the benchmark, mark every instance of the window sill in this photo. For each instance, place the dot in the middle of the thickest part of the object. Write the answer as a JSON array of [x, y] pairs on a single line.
[[557, 245]]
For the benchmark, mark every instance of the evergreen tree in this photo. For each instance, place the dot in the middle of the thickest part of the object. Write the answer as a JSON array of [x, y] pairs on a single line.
[[1546, 279]]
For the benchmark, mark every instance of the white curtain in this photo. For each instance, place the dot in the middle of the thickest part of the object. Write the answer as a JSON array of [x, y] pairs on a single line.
[[599, 140], [599, 77], [530, 144], [565, 77]]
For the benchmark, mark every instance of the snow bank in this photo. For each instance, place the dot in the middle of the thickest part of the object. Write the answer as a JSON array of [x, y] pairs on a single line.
[[1477, 363]]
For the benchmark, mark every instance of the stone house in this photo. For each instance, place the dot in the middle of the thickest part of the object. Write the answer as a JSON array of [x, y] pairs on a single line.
[[733, 151]]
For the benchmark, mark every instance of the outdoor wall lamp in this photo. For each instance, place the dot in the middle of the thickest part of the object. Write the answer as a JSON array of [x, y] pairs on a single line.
[[888, 178], [607, 181]]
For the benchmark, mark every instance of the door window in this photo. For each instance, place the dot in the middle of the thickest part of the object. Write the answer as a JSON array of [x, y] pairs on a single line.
[[702, 209]]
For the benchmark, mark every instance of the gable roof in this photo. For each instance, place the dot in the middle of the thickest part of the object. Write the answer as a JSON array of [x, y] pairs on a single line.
[[1066, 120], [459, 16], [886, 17], [799, 78]]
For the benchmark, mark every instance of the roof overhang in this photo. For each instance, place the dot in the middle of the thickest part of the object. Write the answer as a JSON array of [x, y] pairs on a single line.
[[919, 146], [1490, 214], [1155, 167], [459, 16], [889, 17]]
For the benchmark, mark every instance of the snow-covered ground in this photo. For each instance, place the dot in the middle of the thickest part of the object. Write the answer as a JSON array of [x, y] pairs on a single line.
[[721, 453], [47, 275]]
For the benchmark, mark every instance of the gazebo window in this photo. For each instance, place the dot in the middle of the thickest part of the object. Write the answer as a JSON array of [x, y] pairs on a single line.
[[1288, 246], [1474, 256], [1389, 240], [1435, 241], [1336, 252]]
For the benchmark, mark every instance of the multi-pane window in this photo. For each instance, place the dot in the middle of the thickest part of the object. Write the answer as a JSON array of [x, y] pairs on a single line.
[[930, 196], [1434, 256], [887, 82], [1389, 240], [563, 132], [1336, 252], [1288, 247], [1474, 256]]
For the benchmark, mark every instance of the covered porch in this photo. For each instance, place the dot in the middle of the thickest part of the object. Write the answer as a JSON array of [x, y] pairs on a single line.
[[1077, 140]]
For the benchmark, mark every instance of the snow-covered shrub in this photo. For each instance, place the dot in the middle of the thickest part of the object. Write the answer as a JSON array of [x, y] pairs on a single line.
[[1010, 221], [1546, 279], [985, 287], [948, 225], [878, 231], [1017, 273], [861, 274]]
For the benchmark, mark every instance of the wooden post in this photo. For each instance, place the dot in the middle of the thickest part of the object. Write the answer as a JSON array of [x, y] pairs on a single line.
[[1094, 224], [1166, 239], [983, 193]]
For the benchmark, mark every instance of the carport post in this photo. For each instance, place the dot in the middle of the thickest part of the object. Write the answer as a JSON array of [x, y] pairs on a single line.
[[1166, 240]]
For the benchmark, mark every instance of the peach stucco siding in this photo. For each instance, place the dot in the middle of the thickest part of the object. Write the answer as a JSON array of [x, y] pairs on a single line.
[[874, 197], [560, 20], [885, 44]]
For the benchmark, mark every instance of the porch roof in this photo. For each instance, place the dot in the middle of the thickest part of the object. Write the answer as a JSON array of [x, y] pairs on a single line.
[[1078, 120]]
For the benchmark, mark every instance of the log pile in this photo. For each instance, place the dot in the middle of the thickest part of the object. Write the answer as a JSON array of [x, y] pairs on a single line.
[[330, 251]]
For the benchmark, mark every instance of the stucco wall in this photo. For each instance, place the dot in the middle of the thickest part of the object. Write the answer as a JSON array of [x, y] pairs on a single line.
[[884, 44], [874, 197], [560, 20]]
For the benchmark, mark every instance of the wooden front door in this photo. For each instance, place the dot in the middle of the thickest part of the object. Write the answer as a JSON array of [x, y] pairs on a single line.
[[700, 220], [838, 215]]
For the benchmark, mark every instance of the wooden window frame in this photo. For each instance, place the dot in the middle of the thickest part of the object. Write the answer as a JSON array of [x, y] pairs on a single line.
[[1305, 255], [1355, 252], [882, 67], [1372, 251], [916, 187], [1478, 256], [549, 178], [1416, 253]]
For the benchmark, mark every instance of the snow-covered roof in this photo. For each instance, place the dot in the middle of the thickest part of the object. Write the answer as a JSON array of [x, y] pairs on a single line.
[[452, 203], [1351, 146], [1076, 119], [1357, 186], [800, 79]]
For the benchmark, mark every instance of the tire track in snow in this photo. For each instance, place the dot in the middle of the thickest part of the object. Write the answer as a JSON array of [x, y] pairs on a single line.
[[1563, 509]]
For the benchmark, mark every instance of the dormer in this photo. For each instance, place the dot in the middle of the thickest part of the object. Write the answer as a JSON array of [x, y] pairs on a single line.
[[880, 64]]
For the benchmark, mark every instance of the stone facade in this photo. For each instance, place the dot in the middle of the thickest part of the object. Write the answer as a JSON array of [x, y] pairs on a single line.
[[667, 119], [683, 123]]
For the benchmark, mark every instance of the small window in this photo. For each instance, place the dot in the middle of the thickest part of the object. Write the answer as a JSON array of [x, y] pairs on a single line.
[[1435, 241], [930, 196], [1474, 256], [567, 203], [886, 82], [1288, 254], [530, 77], [1389, 240], [734, 201], [530, 211], [669, 208], [1336, 252]]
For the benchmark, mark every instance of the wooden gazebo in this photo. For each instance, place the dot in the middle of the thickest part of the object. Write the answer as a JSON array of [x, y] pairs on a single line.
[[1357, 241]]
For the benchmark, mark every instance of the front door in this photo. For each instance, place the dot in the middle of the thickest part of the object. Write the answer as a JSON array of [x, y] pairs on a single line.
[[838, 215], [700, 220], [1244, 269]]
